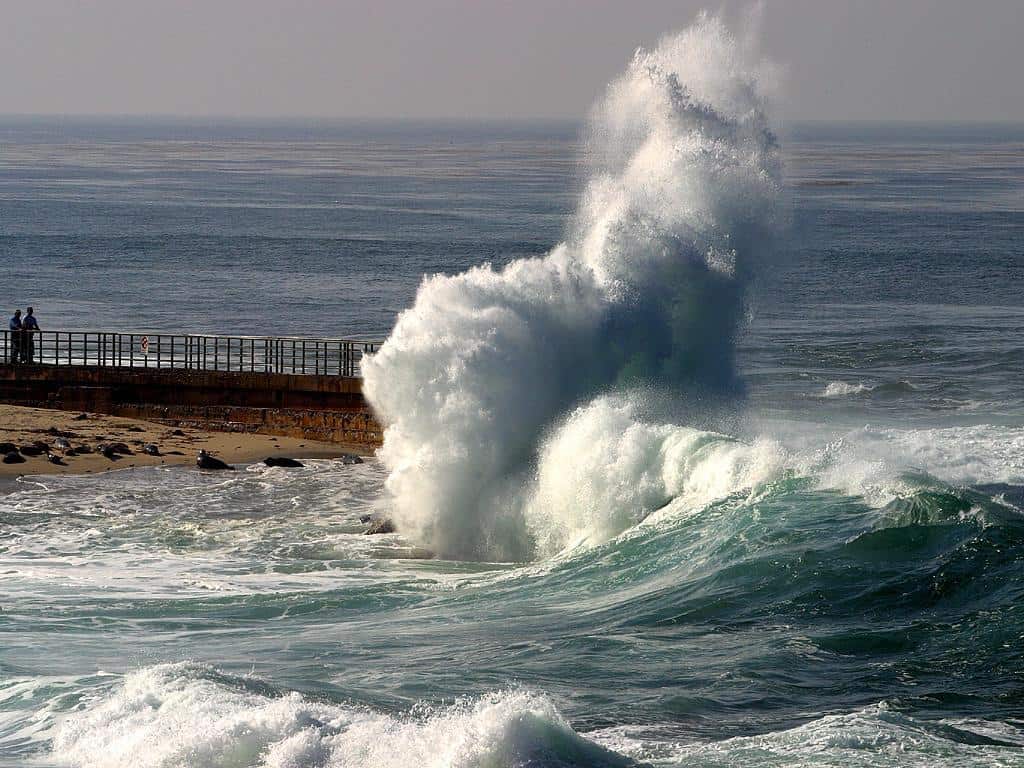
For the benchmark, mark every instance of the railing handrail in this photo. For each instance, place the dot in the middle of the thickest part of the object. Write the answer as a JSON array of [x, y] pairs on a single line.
[[300, 355], [182, 334]]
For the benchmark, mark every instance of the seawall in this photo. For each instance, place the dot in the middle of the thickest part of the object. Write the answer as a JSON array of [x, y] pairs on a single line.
[[316, 407]]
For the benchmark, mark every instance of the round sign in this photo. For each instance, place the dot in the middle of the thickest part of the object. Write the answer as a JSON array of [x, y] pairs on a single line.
[[145, 345]]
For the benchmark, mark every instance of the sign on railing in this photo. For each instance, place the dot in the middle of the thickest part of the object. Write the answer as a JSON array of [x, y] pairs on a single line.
[[252, 354]]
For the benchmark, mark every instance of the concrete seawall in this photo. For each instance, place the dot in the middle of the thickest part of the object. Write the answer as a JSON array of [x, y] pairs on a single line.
[[328, 408]]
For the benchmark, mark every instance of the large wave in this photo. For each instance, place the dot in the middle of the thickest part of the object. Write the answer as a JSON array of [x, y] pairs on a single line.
[[646, 292]]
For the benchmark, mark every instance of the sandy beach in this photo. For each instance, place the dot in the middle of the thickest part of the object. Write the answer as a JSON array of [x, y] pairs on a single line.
[[25, 426]]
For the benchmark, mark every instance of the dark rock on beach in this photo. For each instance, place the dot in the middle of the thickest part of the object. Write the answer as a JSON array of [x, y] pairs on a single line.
[[350, 458], [6, 448], [33, 449], [13, 457], [151, 449]]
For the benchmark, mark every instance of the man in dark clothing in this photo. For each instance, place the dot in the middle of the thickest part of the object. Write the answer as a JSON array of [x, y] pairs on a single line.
[[29, 327], [15, 337]]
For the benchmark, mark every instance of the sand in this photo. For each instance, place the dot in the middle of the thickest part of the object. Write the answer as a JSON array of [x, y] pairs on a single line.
[[23, 426]]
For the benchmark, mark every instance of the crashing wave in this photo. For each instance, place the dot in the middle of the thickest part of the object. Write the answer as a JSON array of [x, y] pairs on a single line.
[[646, 290]]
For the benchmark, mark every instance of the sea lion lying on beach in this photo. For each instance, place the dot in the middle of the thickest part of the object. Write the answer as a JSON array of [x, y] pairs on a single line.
[[206, 461]]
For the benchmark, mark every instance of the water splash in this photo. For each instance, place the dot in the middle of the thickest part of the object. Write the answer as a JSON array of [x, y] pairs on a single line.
[[646, 290]]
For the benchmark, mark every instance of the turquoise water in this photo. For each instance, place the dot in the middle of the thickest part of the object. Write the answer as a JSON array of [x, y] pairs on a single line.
[[820, 565]]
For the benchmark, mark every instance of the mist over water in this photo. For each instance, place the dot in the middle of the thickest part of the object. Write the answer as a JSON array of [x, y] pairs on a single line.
[[679, 204]]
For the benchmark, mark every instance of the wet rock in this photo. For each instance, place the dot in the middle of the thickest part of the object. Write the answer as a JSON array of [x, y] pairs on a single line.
[[6, 448], [282, 461], [80, 417], [135, 429], [13, 457], [350, 458], [53, 458], [177, 433], [32, 449], [206, 461], [83, 449], [62, 444], [151, 449], [380, 525]]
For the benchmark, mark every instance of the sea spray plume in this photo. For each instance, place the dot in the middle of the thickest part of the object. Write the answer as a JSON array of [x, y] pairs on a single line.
[[646, 290]]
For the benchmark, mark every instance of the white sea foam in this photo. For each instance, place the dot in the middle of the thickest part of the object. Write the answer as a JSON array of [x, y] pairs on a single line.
[[874, 736], [606, 469], [844, 389], [188, 715], [647, 288]]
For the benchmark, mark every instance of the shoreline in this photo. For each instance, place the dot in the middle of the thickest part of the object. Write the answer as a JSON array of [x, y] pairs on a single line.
[[23, 425]]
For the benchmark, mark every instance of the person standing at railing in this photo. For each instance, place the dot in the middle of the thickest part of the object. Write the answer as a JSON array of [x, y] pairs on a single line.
[[29, 327], [15, 328]]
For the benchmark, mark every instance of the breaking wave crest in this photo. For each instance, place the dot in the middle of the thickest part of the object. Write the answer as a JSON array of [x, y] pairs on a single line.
[[645, 291]]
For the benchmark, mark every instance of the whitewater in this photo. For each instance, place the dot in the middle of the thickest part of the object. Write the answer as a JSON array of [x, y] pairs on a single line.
[[702, 450]]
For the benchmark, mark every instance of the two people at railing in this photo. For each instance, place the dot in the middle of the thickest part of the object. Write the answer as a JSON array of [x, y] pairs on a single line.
[[23, 330]]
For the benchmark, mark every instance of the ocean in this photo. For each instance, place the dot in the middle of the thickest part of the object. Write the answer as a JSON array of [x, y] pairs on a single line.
[[679, 514]]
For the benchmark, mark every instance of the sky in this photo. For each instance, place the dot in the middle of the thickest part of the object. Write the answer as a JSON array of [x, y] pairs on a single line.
[[492, 59]]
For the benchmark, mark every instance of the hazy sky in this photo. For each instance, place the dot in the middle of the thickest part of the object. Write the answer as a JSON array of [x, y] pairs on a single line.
[[858, 59]]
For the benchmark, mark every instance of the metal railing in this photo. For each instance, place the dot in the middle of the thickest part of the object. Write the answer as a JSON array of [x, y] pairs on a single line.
[[250, 354]]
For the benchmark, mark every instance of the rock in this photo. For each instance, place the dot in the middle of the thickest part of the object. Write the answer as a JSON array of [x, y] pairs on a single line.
[[53, 458], [380, 525], [108, 451], [83, 449], [80, 417], [59, 432], [13, 457], [62, 444], [121, 448], [282, 461], [6, 448], [70, 452], [151, 449], [32, 450], [350, 458], [133, 428], [177, 433], [206, 461]]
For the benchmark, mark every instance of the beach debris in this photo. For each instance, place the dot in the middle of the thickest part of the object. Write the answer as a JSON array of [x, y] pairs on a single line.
[[350, 458], [378, 526], [206, 461], [13, 457], [151, 448], [282, 461]]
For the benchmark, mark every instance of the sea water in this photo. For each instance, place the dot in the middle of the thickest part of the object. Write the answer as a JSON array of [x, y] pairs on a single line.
[[733, 476]]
